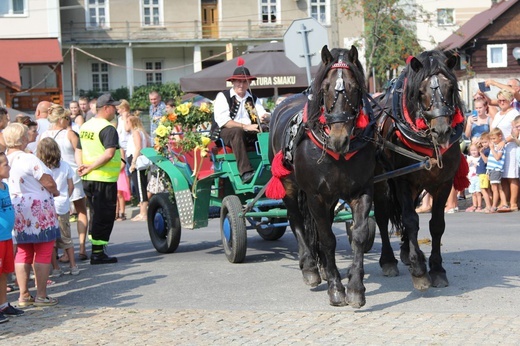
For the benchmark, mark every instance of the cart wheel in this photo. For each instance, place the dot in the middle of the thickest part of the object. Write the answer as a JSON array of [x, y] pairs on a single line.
[[273, 233], [164, 225], [371, 233], [233, 229]]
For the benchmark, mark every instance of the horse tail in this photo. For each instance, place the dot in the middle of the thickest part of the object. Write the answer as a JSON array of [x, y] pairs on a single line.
[[394, 211], [310, 234]]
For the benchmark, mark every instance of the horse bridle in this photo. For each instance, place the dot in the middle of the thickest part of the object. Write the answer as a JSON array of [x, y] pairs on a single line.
[[445, 110], [339, 89]]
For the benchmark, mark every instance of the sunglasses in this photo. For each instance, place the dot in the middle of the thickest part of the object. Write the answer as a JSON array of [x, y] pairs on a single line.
[[66, 118], [500, 100]]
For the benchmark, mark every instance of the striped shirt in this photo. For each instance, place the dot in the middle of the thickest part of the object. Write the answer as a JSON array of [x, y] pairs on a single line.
[[494, 164]]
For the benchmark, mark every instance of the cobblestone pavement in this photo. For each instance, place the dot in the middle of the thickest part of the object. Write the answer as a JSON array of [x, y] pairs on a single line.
[[62, 325], [195, 297]]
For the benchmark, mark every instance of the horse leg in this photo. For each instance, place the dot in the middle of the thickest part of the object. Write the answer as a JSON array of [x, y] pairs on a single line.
[[420, 277], [360, 213], [382, 207], [437, 227], [307, 256], [327, 249]]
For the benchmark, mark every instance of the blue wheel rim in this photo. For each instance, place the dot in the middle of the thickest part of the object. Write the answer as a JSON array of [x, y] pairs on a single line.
[[226, 229], [159, 224]]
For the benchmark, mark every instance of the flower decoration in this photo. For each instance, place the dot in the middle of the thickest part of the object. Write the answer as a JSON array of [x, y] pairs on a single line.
[[180, 130]]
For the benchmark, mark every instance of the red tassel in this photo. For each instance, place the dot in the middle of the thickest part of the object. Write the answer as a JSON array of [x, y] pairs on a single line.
[[275, 189], [457, 118], [240, 61], [362, 120], [461, 181], [322, 119], [277, 168], [420, 124], [409, 59]]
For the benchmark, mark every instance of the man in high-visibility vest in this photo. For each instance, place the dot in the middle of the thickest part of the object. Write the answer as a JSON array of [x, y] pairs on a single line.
[[99, 169]]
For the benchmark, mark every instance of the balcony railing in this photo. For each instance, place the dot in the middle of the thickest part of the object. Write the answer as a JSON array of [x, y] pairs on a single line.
[[79, 32]]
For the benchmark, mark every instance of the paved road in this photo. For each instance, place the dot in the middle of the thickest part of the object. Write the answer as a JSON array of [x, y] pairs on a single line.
[[196, 297]]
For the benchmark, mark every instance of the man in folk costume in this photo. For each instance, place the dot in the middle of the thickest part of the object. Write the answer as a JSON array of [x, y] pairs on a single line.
[[238, 116]]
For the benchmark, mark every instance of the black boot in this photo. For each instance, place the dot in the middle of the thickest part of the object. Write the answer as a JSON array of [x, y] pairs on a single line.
[[100, 257]]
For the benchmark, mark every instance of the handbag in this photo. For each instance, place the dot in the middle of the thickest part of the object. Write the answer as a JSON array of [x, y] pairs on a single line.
[[142, 163]]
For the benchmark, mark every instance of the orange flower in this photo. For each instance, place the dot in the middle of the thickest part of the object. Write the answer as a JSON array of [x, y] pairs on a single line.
[[172, 117]]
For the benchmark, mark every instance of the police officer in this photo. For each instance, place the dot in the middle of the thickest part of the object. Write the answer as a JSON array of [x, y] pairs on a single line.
[[99, 169]]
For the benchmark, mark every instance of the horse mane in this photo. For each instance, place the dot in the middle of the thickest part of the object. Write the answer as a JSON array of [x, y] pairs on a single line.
[[315, 104], [434, 62]]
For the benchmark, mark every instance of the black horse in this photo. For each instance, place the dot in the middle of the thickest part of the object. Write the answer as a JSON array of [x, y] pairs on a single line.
[[422, 114], [322, 155]]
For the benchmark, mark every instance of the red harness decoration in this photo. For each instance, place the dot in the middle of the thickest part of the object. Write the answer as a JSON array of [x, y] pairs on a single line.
[[327, 130]]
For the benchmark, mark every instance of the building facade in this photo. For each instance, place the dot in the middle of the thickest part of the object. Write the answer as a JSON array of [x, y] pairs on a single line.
[[31, 54], [128, 43]]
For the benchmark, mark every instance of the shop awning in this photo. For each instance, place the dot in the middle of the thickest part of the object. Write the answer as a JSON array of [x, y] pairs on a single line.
[[37, 51]]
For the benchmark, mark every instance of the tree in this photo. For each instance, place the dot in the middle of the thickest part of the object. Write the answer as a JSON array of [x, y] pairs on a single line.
[[389, 33]]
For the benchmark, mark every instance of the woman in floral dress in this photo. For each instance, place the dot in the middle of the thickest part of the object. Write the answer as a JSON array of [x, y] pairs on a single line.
[[36, 228]]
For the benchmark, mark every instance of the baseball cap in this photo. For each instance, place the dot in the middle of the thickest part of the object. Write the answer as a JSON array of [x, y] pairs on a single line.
[[106, 100]]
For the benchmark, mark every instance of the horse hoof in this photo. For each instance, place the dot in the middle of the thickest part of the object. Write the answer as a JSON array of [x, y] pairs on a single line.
[[337, 298], [421, 283], [390, 269], [405, 258], [356, 300], [439, 280], [311, 278]]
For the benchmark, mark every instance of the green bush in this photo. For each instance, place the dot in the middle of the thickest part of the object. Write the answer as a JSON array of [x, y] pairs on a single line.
[[140, 99], [118, 94]]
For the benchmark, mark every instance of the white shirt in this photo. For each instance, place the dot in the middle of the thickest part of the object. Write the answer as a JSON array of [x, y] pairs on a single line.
[[504, 122], [131, 145], [124, 135], [61, 176], [221, 109]]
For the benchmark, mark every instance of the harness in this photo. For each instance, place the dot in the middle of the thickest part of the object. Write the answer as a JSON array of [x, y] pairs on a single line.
[[417, 135], [298, 125]]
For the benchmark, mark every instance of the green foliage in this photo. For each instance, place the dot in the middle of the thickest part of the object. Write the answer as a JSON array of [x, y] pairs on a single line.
[[269, 104], [140, 99], [121, 93], [118, 94], [389, 32]]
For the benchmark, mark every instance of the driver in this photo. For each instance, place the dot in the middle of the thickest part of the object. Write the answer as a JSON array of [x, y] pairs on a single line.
[[237, 117]]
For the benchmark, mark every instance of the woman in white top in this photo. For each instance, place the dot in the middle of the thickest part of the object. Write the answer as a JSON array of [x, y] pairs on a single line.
[[138, 141], [504, 120], [68, 140], [76, 118]]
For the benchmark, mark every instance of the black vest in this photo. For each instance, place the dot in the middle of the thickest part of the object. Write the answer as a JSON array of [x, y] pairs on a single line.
[[234, 105]]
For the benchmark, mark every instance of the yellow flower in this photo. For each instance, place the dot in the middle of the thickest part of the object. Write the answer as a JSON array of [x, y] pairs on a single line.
[[204, 107], [163, 119], [184, 108], [205, 140], [162, 131]]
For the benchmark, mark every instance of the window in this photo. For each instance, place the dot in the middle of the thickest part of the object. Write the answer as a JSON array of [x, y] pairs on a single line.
[[445, 16], [497, 55], [155, 74], [97, 14], [269, 10], [100, 77], [152, 12], [320, 10], [13, 7]]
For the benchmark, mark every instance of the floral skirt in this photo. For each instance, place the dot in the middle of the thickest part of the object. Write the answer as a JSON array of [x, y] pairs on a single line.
[[35, 218]]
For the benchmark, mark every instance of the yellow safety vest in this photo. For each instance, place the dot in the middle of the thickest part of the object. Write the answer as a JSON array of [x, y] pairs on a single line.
[[92, 148]]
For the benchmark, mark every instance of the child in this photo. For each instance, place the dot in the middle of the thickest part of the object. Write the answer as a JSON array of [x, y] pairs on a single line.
[[6, 242], [474, 185], [49, 152], [481, 171], [495, 167]]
